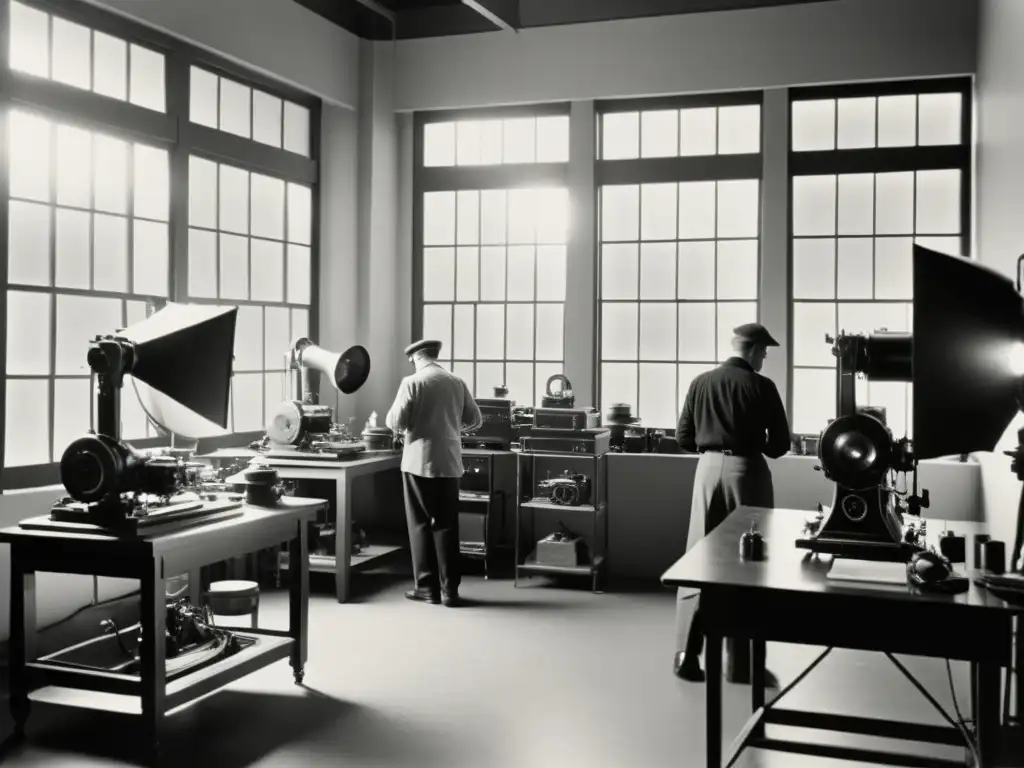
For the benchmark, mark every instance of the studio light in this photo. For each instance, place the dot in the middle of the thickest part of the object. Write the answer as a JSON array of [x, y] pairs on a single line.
[[181, 360], [965, 361]]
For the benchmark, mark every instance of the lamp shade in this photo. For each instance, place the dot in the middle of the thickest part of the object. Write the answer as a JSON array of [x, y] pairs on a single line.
[[182, 369], [968, 323]]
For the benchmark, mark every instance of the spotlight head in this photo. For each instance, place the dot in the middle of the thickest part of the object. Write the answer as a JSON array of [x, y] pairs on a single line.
[[856, 450]]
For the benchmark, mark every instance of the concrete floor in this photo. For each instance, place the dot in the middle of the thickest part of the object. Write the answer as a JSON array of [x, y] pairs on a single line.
[[536, 676]]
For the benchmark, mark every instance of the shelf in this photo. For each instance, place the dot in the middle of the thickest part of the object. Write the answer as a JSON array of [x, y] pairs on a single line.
[[532, 566], [267, 649], [542, 504], [328, 563]]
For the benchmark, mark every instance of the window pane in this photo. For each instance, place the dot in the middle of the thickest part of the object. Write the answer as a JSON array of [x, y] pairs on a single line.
[[296, 129], [521, 273], [438, 144], [277, 332], [618, 384], [492, 274], [233, 200], [74, 167], [658, 332], [110, 253], [202, 193], [110, 188], [73, 240], [620, 136], [490, 331], [814, 205], [619, 331], [29, 156], [620, 213], [897, 121], [151, 260], [300, 214], [696, 270], [71, 408], [814, 399], [550, 332], [855, 268], [109, 66], [468, 217], [656, 402], [659, 133], [810, 324], [249, 338], [738, 209], [814, 269], [467, 270], [658, 271], [28, 250], [619, 271], [202, 264], [938, 202], [520, 140], [551, 272], [894, 203], [234, 267], [71, 53], [698, 132], [439, 274], [464, 330], [235, 108], [267, 206], [26, 430], [894, 268], [658, 208], [856, 128], [519, 337], [28, 333], [266, 118], [739, 129], [738, 272], [247, 402], [493, 215], [203, 96], [152, 183], [856, 204], [147, 82], [697, 210], [522, 216], [300, 270], [813, 125], [939, 119], [29, 40]]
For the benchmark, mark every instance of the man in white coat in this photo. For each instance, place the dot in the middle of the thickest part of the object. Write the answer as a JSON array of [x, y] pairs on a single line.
[[431, 409]]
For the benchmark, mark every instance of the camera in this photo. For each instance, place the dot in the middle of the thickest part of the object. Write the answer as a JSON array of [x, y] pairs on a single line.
[[569, 490]]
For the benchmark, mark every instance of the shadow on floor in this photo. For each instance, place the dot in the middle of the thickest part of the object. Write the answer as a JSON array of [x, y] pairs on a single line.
[[235, 729]]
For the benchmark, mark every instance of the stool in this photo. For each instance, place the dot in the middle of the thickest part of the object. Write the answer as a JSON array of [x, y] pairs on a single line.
[[234, 598]]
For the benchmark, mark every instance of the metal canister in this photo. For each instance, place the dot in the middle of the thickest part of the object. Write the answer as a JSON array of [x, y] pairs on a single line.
[[752, 545]]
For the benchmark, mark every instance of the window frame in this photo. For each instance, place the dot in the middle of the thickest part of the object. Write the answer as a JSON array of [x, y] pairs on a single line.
[[654, 170], [456, 178], [876, 160], [170, 130]]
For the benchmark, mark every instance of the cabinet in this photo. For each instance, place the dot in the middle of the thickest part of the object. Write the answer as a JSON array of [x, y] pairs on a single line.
[[542, 510], [481, 507]]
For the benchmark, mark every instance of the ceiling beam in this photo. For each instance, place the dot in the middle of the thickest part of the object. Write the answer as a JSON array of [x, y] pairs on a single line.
[[379, 9], [502, 13]]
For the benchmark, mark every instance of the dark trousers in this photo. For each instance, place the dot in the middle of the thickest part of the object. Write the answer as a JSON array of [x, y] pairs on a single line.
[[721, 484], [432, 513]]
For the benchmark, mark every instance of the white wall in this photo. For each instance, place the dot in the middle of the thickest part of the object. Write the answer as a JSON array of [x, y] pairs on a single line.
[[278, 38], [999, 200], [829, 42]]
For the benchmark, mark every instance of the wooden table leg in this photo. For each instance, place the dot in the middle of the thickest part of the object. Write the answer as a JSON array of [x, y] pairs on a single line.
[[298, 599], [22, 640], [713, 700], [988, 717], [152, 655], [342, 536], [758, 674]]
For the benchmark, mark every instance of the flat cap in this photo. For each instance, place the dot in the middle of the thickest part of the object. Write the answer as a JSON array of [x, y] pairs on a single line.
[[756, 334], [428, 344]]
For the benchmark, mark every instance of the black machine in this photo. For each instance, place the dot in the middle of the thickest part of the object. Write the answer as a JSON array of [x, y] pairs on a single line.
[[566, 418], [592, 442], [569, 489], [301, 424], [496, 432], [968, 325], [180, 359]]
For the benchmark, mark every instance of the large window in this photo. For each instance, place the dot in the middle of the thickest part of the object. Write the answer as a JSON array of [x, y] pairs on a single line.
[[679, 213], [874, 170], [115, 206], [491, 228]]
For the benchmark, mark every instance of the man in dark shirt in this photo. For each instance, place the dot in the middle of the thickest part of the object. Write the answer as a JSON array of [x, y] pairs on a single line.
[[733, 417]]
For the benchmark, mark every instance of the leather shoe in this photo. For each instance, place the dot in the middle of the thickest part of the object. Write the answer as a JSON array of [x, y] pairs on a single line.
[[746, 678], [423, 595], [451, 599], [688, 668]]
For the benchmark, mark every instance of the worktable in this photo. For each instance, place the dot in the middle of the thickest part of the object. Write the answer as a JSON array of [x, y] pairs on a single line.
[[151, 560], [788, 598], [342, 473]]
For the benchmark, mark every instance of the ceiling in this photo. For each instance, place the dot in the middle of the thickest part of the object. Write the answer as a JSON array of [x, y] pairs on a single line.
[[372, 19]]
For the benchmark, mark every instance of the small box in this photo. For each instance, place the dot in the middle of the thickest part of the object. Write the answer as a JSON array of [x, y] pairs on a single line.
[[564, 553]]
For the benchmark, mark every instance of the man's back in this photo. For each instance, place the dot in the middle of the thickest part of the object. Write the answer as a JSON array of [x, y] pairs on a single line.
[[734, 408], [431, 408]]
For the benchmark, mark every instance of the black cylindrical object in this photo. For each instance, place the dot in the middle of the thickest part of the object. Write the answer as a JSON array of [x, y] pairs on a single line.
[[953, 547], [752, 545], [979, 542], [993, 557], [888, 357]]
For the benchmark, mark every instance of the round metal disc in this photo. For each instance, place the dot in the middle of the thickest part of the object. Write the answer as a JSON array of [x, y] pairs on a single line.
[[285, 426]]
